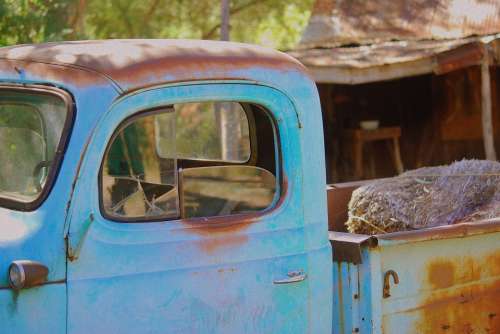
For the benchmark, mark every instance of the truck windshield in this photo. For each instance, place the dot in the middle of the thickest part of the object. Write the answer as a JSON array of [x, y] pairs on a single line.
[[31, 127]]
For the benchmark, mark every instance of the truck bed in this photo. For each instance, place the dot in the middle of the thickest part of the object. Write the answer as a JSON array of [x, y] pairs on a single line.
[[448, 276]]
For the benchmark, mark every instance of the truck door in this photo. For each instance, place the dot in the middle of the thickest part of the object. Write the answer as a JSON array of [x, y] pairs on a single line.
[[34, 125], [188, 216]]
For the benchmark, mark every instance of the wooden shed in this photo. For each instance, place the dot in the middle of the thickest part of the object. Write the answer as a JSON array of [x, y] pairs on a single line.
[[427, 70]]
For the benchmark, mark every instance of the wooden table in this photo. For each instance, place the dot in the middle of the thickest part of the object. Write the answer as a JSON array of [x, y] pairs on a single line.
[[358, 137]]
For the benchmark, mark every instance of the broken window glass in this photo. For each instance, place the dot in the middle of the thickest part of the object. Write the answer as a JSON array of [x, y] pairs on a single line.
[[185, 161], [137, 182]]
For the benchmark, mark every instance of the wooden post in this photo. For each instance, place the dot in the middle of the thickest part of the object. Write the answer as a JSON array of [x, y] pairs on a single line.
[[486, 112]]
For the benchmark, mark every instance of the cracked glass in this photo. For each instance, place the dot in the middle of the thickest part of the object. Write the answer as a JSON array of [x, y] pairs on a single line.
[[185, 161]]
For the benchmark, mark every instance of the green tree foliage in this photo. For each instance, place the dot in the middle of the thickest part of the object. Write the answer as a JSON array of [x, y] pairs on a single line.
[[28, 21], [275, 23]]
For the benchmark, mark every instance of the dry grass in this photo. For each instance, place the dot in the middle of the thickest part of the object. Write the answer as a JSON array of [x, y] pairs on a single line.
[[467, 190]]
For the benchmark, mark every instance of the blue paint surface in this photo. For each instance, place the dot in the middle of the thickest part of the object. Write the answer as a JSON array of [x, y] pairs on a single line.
[[163, 276], [166, 275], [39, 235]]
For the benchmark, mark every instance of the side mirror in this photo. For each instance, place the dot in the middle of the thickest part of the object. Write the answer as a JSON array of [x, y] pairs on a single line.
[[25, 274]]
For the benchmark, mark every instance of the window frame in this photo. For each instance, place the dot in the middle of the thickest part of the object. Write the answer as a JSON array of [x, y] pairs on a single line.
[[60, 152], [248, 109]]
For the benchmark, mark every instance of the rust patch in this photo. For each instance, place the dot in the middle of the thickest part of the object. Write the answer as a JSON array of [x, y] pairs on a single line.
[[444, 232], [467, 310], [219, 225], [441, 274], [493, 264], [190, 68], [210, 245], [366, 22], [234, 223], [465, 296], [139, 63], [226, 231], [66, 74]]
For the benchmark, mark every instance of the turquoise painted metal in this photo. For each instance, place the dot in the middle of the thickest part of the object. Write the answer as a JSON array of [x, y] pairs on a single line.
[[441, 280], [169, 276]]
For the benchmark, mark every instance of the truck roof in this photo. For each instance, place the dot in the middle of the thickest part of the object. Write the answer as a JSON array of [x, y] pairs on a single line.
[[135, 63]]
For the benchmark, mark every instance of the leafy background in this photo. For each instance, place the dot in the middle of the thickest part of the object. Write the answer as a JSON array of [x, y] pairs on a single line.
[[274, 23]]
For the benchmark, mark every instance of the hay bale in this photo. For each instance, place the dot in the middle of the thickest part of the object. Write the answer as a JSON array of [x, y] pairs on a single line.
[[465, 191]]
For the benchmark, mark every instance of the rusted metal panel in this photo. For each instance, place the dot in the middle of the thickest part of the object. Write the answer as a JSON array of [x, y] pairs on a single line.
[[346, 247], [472, 307], [358, 42], [441, 232], [391, 60], [366, 56], [452, 286], [133, 64], [341, 22], [73, 78], [441, 280]]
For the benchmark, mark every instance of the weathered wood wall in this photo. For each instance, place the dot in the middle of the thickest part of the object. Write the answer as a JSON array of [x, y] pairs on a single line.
[[440, 119]]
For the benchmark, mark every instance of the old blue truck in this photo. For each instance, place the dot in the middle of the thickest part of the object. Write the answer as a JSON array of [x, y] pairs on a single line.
[[168, 186]]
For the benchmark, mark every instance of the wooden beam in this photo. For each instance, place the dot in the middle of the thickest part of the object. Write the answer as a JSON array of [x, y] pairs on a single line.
[[486, 112]]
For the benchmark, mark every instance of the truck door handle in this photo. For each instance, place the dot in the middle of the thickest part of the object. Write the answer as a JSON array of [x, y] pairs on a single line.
[[293, 277]]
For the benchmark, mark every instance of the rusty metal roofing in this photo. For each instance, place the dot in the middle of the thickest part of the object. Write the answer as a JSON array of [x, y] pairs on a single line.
[[395, 59], [132, 64], [392, 60], [358, 41], [379, 54], [340, 22]]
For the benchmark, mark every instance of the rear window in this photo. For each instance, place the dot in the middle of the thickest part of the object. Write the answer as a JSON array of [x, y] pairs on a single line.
[[31, 129], [195, 131], [190, 160]]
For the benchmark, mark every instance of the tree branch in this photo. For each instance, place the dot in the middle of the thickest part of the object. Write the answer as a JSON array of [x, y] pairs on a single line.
[[149, 13], [76, 22], [210, 34], [124, 11], [151, 10]]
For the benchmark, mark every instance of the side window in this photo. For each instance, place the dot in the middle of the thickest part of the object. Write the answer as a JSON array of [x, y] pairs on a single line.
[[190, 160], [32, 139]]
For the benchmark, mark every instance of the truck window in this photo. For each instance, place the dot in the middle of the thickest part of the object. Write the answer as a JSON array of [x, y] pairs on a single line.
[[190, 160], [31, 128], [197, 130]]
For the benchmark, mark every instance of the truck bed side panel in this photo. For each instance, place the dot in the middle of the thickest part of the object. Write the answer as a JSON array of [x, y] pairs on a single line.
[[445, 286]]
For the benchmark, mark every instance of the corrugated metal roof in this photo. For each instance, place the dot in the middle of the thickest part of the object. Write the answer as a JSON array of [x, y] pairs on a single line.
[[341, 22], [391, 60], [376, 54]]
